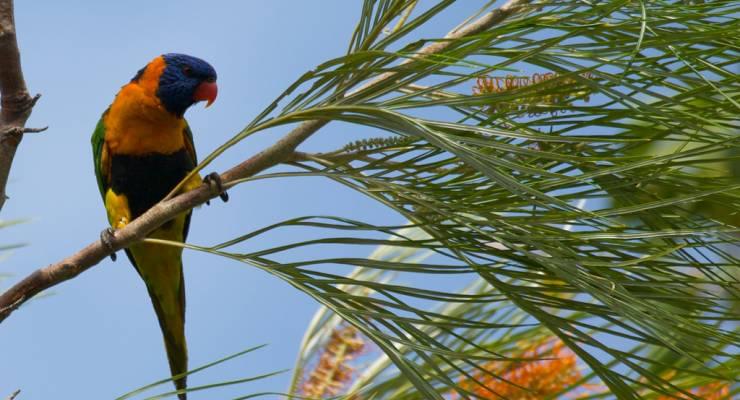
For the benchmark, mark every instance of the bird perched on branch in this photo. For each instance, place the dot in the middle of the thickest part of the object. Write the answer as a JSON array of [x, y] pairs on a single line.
[[143, 148]]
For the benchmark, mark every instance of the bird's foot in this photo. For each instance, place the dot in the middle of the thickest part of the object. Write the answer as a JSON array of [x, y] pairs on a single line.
[[214, 181], [106, 237]]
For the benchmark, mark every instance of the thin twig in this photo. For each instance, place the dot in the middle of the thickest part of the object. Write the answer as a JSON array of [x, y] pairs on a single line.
[[164, 211], [15, 103], [13, 395], [20, 130]]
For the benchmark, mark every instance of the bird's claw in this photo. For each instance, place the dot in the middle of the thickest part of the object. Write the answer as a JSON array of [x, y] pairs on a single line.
[[106, 237], [214, 181]]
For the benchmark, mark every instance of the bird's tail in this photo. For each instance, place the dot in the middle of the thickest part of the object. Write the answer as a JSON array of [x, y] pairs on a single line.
[[172, 322], [161, 268]]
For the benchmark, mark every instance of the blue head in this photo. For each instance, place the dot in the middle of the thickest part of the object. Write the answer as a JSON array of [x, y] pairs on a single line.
[[186, 80]]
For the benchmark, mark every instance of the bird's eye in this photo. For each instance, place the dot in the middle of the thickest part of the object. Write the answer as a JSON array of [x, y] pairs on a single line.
[[187, 70]]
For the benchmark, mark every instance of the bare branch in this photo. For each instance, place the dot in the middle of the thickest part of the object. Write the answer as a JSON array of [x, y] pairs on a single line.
[[164, 211], [18, 130], [15, 103]]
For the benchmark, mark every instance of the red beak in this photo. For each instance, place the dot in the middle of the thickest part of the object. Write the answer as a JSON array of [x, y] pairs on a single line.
[[206, 91]]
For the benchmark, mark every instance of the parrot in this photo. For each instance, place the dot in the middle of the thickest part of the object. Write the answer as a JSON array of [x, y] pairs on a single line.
[[142, 149]]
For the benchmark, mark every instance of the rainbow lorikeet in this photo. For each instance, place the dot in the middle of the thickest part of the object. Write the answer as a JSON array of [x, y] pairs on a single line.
[[142, 148]]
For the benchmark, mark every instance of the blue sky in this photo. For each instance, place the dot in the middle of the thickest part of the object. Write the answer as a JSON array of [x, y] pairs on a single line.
[[96, 337]]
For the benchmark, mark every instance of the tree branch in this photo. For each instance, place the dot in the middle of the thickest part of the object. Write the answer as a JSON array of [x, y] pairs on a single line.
[[15, 103], [164, 211]]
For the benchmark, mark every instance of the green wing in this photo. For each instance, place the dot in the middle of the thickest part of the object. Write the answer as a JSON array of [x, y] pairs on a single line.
[[189, 145], [98, 146]]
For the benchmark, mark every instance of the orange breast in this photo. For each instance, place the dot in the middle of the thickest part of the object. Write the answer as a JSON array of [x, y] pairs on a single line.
[[137, 122]]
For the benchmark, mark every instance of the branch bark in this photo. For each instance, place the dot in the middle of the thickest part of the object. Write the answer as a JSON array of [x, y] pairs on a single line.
[[164, 211], [15, 103]]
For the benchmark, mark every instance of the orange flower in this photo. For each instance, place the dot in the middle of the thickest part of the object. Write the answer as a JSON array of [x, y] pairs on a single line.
[[528, 380], [333, 370]]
